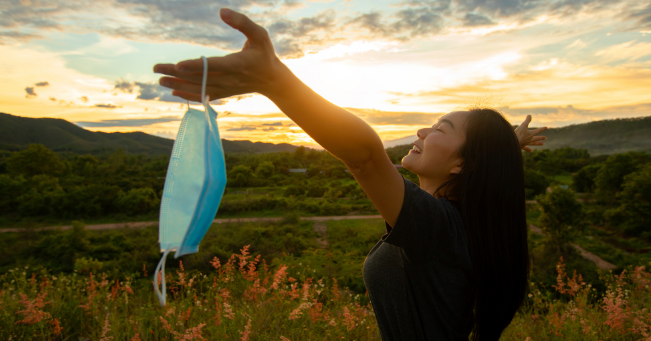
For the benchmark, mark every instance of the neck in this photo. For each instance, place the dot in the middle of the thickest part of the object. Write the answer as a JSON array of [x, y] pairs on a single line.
[[430, 186]]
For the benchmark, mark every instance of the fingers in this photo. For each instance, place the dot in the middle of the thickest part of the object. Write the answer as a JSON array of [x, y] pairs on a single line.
[[527, 149], [526, 122], [242, 23], [187, 96], [538, 138], [195, 77], [538, 130], [228, 63], [180, 84]]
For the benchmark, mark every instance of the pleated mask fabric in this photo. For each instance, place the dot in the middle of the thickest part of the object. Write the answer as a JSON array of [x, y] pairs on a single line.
[[194, 185]]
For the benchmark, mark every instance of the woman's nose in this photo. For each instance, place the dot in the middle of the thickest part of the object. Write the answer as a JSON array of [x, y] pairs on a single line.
[[421, 133]]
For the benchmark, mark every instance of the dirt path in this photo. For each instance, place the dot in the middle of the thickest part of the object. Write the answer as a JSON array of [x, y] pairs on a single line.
[[601, 264], [140, 225]]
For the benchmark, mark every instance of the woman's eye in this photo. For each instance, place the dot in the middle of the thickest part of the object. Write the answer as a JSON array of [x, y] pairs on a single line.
[[439, 129]]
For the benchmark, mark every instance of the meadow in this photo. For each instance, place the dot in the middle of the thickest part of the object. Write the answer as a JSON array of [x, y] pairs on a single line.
[[275, 280], [272, 282]]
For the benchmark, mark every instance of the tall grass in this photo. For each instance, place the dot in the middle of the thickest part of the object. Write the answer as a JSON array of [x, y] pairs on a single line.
[[242, 299]]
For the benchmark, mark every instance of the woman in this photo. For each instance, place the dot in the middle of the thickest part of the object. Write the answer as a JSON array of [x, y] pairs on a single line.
[[454, 259]]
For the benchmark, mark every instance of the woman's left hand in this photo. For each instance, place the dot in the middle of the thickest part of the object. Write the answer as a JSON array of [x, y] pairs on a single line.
[[529, 137]]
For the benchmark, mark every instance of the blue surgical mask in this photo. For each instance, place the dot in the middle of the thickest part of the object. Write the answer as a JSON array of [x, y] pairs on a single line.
[[194, 185]]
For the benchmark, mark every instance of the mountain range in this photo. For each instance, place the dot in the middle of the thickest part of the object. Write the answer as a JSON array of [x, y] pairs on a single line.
[[16, 132]]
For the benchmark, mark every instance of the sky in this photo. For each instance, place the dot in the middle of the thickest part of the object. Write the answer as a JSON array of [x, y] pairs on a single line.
[[397, 64]]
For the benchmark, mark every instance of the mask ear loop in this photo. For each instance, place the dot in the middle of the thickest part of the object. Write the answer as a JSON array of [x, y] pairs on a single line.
[[205, 99], [161, 266]]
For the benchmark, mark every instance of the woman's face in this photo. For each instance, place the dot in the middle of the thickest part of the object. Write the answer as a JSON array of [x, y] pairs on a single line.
[[434, 155]]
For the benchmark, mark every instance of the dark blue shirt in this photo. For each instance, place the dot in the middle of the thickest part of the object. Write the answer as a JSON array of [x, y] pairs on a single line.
[[418, 276]]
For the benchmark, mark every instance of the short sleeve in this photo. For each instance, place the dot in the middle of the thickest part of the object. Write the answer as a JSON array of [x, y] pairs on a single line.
[[426, 225]]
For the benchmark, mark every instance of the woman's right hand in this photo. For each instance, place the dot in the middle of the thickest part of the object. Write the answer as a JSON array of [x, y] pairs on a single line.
[[254, 69]]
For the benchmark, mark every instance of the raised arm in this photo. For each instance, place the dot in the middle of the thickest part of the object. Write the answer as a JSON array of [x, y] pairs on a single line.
[[257, 69]]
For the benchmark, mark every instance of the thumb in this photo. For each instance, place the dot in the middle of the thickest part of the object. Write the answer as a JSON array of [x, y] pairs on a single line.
[[242, 23]]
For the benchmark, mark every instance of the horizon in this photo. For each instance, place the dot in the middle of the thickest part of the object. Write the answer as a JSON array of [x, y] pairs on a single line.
[[399, 65]]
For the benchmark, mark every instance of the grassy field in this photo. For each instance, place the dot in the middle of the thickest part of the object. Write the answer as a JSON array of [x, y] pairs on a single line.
[[281, 287]]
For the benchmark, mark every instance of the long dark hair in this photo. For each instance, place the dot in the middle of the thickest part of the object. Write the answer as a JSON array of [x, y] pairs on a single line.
[[489, 192]]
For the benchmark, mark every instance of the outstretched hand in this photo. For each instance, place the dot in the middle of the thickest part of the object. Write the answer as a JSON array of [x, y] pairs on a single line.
[[529, 137], [254, 69]]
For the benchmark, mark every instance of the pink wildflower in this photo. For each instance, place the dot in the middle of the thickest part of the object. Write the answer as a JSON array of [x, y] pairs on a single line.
[[245, 334], [349, 319], [57, 328], [32, 312], [616, 306], [106, 329], [280, 274]]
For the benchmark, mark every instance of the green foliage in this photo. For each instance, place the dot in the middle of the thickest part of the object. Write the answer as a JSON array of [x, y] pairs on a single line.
[[633, 215], [584, 180], [611, 175], [535, 183], [35, 160], [294, 190], [559, 161], [315, 191], [561, 218], [88, 265], [265, 169], [138, 200]]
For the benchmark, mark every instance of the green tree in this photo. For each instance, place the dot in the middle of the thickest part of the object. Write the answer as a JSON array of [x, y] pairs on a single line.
[[294, 190], [584, 180], [239, 176], [534, 183], [138, 201], [561, 217], [11, 187], [634, 213], [313, 171], [610, 176], [36, 159], [265, 169], [315, 191]]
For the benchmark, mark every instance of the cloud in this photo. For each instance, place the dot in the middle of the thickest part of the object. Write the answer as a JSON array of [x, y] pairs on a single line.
[[30, 92], [472, 20], [242, 128], [124, 86], [42, 84], [109, 106], [273, 124], [154, 91], [641, 16], [84, 99], [53, 99], [269, 129], [631, 50], [408, 23], [134, 122]]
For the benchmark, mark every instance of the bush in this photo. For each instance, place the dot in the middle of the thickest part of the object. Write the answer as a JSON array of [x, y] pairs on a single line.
[[633, 216], [584, 180], [138, 200], [534, 183], [315, 191], [293, 190]]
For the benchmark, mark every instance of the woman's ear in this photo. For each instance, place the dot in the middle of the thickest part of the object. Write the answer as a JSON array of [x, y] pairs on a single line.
[[457, 167]]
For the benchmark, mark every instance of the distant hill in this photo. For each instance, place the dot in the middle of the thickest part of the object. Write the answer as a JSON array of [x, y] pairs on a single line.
[[17, 132], [603, 137], [599, 137]]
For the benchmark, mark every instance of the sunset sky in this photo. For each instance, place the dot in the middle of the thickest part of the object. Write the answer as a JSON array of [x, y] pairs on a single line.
[[398, 64]]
